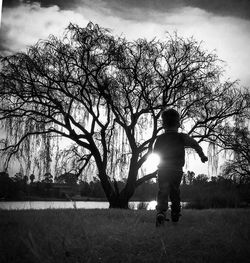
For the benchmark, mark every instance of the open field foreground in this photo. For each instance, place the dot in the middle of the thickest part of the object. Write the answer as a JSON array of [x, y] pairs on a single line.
[[123, 236]]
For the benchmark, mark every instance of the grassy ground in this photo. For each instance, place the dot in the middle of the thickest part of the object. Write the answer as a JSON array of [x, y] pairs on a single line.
[[123, 236]]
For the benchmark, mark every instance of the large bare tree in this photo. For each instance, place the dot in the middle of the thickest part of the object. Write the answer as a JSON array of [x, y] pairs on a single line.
[[106, 94]]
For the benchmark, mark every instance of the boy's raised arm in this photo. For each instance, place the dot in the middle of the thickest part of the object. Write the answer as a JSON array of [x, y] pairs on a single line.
[[192, 143]]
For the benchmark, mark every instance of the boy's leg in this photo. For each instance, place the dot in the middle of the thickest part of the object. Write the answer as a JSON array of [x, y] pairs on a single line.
[[163, 193], [174, 194], [162, 198]]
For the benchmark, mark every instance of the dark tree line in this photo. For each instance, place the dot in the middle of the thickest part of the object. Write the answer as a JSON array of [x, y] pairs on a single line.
[[22, 187], [198, 191], [105, 95]]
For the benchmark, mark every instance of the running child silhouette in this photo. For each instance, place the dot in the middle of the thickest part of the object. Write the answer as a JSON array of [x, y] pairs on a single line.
[[170, 146]]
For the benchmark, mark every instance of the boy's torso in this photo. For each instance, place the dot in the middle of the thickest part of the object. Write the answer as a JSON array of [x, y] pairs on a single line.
[[170, 146]]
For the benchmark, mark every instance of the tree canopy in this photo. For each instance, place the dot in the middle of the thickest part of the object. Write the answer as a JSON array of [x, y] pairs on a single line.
[[105, 95]]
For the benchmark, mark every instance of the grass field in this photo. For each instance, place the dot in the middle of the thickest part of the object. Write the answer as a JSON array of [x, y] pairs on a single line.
[[46, 236]]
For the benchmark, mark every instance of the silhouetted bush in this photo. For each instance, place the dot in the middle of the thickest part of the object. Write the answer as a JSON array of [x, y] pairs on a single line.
[[214, 197], [142, 206]]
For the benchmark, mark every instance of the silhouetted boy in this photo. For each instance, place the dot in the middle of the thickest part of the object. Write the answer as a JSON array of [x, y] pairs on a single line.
[[171, 148]]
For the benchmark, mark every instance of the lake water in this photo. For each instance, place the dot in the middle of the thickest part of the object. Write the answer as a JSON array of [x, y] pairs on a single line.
[[26, 205]]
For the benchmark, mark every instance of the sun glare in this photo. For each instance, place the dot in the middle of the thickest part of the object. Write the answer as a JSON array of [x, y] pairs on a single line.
[[152, 162], [152, 205]]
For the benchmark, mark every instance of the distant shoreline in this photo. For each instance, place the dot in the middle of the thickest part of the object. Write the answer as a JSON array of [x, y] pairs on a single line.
[[49, 199], [54, 199]]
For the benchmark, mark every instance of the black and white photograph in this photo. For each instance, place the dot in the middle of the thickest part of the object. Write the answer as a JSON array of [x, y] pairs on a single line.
[[124, 131]]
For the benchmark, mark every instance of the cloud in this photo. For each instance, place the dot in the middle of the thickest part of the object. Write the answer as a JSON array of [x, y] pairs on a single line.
[[4, 42], [62, 4], [239, 8], [126, 8], [229, 36], [11, 3], [25, 24]]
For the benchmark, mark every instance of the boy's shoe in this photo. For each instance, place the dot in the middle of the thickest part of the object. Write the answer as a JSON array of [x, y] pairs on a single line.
[[160, 219], [175, 216]]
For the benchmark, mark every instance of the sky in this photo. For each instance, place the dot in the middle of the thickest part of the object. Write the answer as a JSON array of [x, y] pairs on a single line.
[[222, 25]]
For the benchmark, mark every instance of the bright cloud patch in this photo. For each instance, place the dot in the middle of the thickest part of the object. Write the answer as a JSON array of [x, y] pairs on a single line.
[[26, 24], [229, 36]]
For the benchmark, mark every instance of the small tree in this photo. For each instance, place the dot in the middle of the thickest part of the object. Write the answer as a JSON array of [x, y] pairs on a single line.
[[238, 142], [18, 177], [106, 94], [67, 178], [200, 179], [190, 177], [48, 178], [32, 178]]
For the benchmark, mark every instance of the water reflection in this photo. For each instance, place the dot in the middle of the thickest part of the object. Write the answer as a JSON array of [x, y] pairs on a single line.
[[27, 205], [151, 205]]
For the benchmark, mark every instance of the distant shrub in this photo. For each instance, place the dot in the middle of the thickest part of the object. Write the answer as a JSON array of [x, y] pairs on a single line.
[[139, 206], [214, 199], [142, 206]]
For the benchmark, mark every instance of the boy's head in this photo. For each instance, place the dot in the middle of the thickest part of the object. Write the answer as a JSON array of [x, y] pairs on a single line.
[[170, 119]]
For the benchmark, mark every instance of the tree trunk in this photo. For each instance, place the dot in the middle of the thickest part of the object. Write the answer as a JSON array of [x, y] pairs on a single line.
[[115, 198], [121, 199], [119, 202]]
